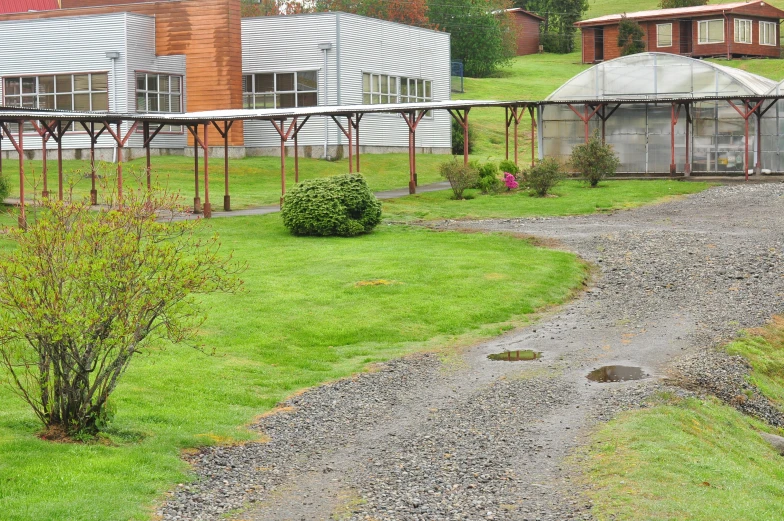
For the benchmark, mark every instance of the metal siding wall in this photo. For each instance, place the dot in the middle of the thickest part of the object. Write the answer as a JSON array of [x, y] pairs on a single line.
[[283, 43], [141, 57], [290, 43], [64, 45], [381, 47]]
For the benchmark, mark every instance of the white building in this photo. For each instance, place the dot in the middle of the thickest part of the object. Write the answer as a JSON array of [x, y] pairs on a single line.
[[74, 59]]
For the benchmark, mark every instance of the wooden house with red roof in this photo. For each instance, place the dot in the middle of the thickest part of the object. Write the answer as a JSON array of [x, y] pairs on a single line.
[[730, 30]]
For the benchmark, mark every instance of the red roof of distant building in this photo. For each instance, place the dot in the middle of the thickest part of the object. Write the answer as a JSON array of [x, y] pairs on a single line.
[[529, 13], [760, 8], [22, 6]]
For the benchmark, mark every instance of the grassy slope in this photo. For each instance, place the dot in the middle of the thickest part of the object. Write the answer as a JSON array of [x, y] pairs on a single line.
[[301, 321], [692, 459]]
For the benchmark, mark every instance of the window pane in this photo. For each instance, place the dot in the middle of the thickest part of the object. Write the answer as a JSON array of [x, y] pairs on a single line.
[[81, 102], [308, 99], [307, 80], [141, 102], [376, 84], [81, 82], [46, 102], [384, 85], [152, 101], [164, 103], [163, 83], [366, 82], [152, 82], [376, 99], [28, 85], [404, 87], [175, 85], [63, 84], [176, 103], [285, 82], [366, 99], [12, 87], [64, 100], [286, 101], [247, 101], [247, 83], [393, 85], [100, 101], [46, 85], [29, 102], [428, 90], [265, 83], [13, 101], [99, 82], [141, 82], [265, 101]]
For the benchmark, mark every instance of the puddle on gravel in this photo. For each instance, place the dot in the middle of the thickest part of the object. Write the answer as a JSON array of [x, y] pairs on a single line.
[[616, 373], [516, 356]]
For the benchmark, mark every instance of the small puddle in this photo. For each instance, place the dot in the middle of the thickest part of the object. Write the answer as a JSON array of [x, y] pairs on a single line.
[[516, 356], [616, 373]]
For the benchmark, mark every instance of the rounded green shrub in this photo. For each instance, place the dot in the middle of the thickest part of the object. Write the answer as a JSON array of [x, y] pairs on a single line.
[[342, 205]]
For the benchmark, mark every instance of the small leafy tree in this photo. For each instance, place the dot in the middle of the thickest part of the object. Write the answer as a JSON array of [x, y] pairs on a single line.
[[459, 175], [594, 161], [669, 4], [631, 37], [457, 138], [86, 291], [544, 176]]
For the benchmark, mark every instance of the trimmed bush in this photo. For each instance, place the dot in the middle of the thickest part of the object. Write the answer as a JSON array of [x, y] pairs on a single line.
[[342, 205], [460, 176], [544, 176], [509, 166], [594, 161]]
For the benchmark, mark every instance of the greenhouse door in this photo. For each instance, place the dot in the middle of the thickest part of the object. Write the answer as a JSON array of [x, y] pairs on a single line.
[[598, 42], [686, 37]]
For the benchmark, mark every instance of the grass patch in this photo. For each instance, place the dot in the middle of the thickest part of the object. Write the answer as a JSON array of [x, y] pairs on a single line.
[[571, 198], [315, 309], [695, 459], [253, 181]]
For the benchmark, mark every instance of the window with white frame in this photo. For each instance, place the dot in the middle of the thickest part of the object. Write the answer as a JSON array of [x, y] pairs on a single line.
[[768, 33], [280, 90], [414, 90], [158, 92], [710, 31], [742, 31], [81, 92], [379, 88], [664, 35]]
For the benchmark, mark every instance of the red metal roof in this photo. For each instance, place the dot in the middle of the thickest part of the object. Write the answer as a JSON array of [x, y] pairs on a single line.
[[757, 8], [529, 13], [21, 6]]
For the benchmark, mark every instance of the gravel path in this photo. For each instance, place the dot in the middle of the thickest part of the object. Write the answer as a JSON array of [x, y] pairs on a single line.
[[422, 439]]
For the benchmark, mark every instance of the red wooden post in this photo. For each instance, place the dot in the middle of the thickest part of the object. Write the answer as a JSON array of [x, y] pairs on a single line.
[[507, 123], [533, 134], [673, 121], [466, 144], [44, 169], [206, 145], [146, 138], [226, 197], [350, 147], [22, 214], [60, 160], [296, 160], [93, 191], [746, 154], [196, 198], [119, 163]]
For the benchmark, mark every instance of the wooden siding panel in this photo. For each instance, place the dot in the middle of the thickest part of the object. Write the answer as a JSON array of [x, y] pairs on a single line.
[[527, 28]]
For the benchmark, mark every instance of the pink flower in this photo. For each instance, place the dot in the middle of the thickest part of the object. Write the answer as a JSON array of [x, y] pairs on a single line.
[[511, 183]]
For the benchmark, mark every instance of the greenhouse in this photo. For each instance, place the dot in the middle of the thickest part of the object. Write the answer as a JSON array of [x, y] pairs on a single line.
[[673, 128]]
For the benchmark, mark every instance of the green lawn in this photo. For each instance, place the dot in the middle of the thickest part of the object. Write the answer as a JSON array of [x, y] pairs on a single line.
[[569, 198], [254, 181], [302, 320], [694, 459]]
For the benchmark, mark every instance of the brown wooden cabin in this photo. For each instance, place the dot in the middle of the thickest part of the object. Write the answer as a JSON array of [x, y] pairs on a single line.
[[527, 26], [731, 30]]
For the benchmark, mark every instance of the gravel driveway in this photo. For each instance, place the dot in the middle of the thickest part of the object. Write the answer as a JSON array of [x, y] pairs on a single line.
[[469, 438]]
